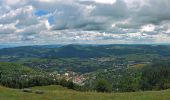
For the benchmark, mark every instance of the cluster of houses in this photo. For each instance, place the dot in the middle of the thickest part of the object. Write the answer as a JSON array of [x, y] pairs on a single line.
[[70, 76]]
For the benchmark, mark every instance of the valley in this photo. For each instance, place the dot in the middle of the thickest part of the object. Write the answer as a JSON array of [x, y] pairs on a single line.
[[123, 68]]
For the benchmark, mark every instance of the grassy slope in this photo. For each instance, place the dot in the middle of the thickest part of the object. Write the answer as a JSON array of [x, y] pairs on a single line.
[[60, 93]]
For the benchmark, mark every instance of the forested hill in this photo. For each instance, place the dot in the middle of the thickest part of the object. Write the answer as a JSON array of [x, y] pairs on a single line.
[[15, 75], [83, 51]]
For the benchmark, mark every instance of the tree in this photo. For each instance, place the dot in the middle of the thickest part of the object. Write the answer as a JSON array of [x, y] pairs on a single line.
[[103, 85], [156, 76], [70, 85]]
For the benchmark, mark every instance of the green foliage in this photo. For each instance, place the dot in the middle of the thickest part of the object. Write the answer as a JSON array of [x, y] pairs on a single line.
[[18, 76], [130, 82], [103, 85], [156, 76], [70, 85]]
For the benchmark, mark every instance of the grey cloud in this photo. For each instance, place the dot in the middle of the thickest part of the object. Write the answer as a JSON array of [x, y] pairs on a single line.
[[117, 10], [77, 16], [77, 21], [155, 12], [24, 15]]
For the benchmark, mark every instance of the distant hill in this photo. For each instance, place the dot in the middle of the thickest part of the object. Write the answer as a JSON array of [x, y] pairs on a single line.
[[83, 51], [7, 46]]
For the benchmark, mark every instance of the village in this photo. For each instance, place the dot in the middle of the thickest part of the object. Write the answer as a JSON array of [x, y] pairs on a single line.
[[76, 78]]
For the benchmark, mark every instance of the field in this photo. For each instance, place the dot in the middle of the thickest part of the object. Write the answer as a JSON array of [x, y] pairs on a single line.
[[60, 93]]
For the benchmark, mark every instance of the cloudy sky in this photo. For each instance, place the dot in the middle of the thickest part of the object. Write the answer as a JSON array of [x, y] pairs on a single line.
[[84, 21]]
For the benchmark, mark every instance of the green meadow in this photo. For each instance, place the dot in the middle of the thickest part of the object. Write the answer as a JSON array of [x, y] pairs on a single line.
[[54, 92]]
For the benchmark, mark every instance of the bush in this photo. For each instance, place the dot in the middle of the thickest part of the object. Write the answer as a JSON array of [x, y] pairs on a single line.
[[103, 86]]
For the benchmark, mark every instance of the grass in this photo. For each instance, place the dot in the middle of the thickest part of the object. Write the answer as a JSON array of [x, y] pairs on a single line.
[[138, 66], [60, 93]]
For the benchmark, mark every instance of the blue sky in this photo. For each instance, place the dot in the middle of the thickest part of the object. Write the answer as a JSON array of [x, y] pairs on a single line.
[[84, 21], [41, 12]]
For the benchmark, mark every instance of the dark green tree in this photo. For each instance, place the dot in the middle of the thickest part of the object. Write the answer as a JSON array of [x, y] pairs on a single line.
[[103, 85]]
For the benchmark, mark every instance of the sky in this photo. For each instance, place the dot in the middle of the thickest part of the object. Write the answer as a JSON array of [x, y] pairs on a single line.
[[84, 21]]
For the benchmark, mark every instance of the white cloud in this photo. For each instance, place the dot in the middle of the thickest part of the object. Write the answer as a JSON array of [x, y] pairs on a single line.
[[24, 15], [7, 29], [106, 1], [92, 21], [148, 28], [46, 0], [43, 25]]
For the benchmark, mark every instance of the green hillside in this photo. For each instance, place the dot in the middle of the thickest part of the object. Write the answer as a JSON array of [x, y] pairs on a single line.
[[60, 93], [15, 75], [14, 68]]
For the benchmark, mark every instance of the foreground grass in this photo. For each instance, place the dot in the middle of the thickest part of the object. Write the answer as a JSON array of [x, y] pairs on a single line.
[[60, 93]]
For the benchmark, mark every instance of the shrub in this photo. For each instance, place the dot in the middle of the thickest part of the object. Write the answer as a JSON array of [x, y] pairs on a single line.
[[103, 86]]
